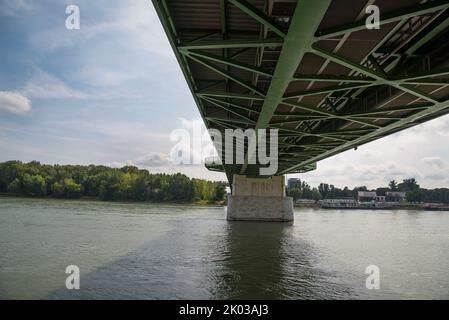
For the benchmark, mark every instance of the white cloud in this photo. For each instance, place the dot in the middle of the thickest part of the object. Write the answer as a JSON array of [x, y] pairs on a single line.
[[45, 85], [13, 8], [435, 162], [436, 176], [14, 102], [135, 22], [103, 77], [154, 159], [58, 37], [140, 20]]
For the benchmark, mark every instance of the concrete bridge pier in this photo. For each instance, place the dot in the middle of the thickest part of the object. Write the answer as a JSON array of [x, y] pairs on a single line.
[[259, 199]]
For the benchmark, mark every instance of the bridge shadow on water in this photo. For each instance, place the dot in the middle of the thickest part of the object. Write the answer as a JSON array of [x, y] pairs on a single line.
[[266, 261], [210, 258]]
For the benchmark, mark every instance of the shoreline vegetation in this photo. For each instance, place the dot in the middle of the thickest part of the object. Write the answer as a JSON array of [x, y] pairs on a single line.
[[130, 184], [92, 182], [89, 199]]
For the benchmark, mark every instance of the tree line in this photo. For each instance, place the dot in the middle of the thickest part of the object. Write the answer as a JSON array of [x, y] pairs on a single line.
[[105, 183], [414, 193]]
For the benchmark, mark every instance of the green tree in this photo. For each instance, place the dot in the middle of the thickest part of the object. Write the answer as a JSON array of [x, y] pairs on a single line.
[[58, 190], [295, 193], [34, 185], [393, 185], [220, 191], [382, 191], [415, 196], [316, 195], [72, 189], [127, 183], [15, 186], [408, 185]]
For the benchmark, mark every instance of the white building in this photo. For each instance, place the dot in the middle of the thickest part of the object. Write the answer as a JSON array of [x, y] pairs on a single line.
[[366, 196]]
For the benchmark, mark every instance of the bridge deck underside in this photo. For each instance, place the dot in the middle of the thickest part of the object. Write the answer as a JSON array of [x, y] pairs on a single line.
[[311, 69]]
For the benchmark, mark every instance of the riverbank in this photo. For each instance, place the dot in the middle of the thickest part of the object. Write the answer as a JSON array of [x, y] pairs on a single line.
[[398, 206], [85, 199]]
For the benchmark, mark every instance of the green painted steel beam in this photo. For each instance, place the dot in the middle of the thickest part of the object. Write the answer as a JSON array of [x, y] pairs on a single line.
[[349, 117], [417, 93], [390, 110], [299, 153], [229, 110], [232, 63], [229, 95], [234, 105], [301, 115], [205, 36], [417, 10], [223, 17], [376, 65], [413, 77], [330, 78], [374, 117], [258, 16], [331, 89], [231, 44], [312, 134], [296, 120], [231, 120], [380, 77], [428, 37], [306, 146], [224, 125], [226, 74], [305, 20], [435, 82], [327, 113], [347, 63]]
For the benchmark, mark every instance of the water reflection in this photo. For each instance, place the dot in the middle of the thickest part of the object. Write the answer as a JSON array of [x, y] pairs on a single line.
[[252, 267], [266, 261]]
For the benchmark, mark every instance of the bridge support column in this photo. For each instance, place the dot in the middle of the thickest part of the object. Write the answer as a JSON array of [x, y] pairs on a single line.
[[259, 199]]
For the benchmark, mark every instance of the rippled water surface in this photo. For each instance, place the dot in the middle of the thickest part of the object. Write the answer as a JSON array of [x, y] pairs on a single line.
[[127, 251]]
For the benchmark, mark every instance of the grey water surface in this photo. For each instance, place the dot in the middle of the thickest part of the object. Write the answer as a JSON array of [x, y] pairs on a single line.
[[154, 251]]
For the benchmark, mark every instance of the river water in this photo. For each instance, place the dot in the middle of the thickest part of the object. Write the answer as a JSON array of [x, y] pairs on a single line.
[[146, 251]]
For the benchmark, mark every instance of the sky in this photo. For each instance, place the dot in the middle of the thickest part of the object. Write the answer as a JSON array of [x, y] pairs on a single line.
[[112, 92]]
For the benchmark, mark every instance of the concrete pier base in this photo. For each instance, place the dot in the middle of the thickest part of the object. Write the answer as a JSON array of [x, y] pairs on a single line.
[[252, 208], [255, 199]]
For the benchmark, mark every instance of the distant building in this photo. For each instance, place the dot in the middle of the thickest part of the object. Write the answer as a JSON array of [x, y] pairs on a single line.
[[293, 182], [339, 203], [305, 201], [396, 196], [366, 196]]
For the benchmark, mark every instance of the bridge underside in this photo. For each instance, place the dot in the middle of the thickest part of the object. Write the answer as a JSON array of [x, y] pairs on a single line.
[[312, 70]]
